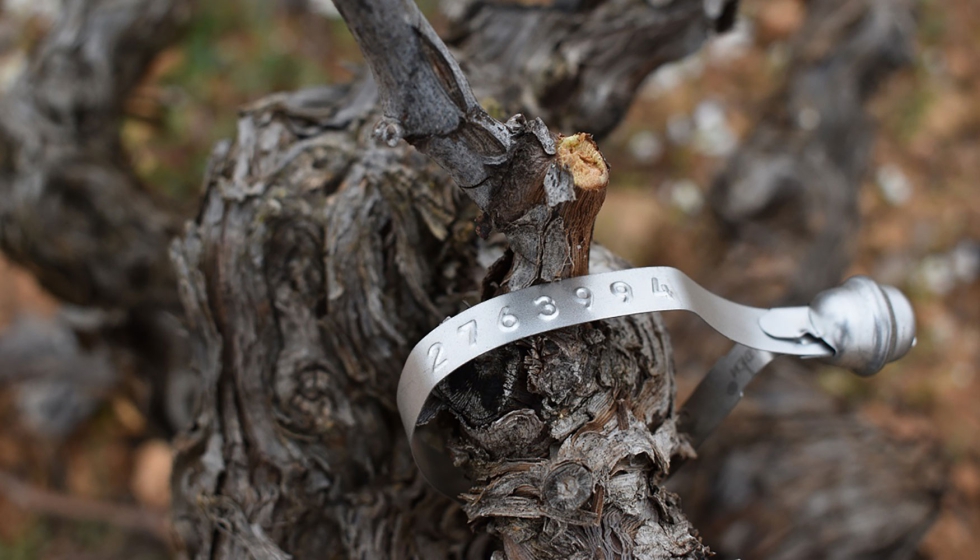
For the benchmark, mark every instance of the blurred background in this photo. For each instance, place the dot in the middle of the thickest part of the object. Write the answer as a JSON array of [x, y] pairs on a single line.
[[92, 470]]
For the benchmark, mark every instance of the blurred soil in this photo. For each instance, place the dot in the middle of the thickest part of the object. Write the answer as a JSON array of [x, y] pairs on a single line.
[[920, 210]]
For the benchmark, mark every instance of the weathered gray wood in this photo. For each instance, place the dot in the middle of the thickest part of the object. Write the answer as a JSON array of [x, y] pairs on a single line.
[[791, 190], [72, 210], [792, 473], [319, 256], [71, 207], [305, 183], [314, 262], [576, 64]]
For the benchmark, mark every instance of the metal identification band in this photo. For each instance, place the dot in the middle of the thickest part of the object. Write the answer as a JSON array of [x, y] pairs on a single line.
[[859, 325]]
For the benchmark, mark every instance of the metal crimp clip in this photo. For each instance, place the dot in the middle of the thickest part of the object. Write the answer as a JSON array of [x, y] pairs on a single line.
[[867, 325]]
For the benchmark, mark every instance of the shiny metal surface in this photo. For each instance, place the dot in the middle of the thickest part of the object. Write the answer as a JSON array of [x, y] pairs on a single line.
[[866, 324], [720, 391], [859, 325]]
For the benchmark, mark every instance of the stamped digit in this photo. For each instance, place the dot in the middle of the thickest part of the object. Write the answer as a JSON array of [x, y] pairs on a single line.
[[506, 321], [662, 290], [623, 290], [468, 329], [437, 355], [549, 309], [584, 296]]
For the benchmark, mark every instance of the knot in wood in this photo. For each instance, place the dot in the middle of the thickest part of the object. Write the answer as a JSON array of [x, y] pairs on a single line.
[[568, 486], [311, 400], [389, 130], [516, 124], [560, 369], [313, 382], [513, 435]]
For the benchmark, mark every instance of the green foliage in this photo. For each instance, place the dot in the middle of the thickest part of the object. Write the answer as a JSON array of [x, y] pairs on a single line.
[[231, 53], [28, 547]]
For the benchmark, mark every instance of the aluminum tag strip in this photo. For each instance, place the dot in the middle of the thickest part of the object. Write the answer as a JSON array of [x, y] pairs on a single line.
[[720, 391], [860, 311], [546, 307]]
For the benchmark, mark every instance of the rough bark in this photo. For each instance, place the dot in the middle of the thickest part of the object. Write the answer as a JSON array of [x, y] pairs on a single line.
[[792, 473], [72, 210], [576, 63], [317, 257], [320, 256]]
